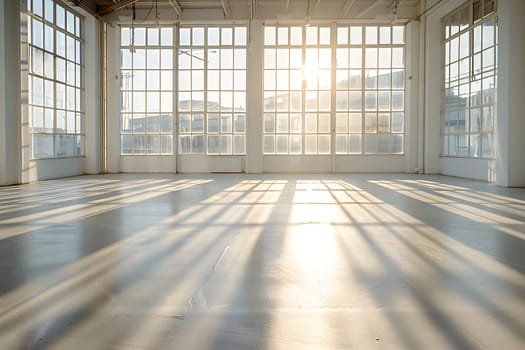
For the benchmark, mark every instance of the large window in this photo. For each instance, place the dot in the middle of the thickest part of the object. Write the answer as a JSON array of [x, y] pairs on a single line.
[[56, 114], [370, 88], [304, 67], [297, 90], [469, 71], [147, 90], [212, 90]]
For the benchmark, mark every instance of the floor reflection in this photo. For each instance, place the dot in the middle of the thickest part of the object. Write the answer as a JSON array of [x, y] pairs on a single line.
[[261, 261]]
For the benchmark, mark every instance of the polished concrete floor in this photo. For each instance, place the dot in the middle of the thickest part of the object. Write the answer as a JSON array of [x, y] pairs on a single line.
[[262, 262]]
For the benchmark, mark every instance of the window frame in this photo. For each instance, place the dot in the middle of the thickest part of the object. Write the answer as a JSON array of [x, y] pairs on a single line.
[[71, 86]]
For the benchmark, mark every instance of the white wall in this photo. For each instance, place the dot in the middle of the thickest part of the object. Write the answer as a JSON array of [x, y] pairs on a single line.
[[254, 104], [40, 169], [113, 79], [413, 133], [510, 120], [508, 166], [480, 169], [255, 161], [9, 91], [92, 123]]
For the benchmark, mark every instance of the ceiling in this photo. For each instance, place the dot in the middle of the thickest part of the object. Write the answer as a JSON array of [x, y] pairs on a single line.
[[115, 10]]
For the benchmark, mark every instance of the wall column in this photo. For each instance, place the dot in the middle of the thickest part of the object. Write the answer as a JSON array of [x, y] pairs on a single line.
[[254, 93], [113, 98], [510, 119], [92, 95], [10, 97]]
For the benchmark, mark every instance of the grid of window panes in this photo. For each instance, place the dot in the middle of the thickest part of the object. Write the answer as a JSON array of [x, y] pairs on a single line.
[[56, 115], [146, 90], [370, 89], [470, 42], [297, 90], [212, 90]]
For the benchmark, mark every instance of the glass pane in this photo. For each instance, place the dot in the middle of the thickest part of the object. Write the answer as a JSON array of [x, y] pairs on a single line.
[[324, 36], [140, 36], [398, 35], [311, 35], [269, 35], [398, 57], [49, 10], [356, 35], [213, 36], [226, 123], [342, 36], [282, 122], [282, 36], [60, 16], [354, 144], [371, 35], [355, 100], [198, 36], [184, 144], [225, 144], [239, 144], [371, 58], [354, 123], [269, 144], [397, 122], [310, 123], [356, 58], [341, 142], [397, 100], [153, 59], [239, 123], [324, 123], [296, 35], [166, 144], [197, 143], [324, 144], [226, 36], [310, 144], [166, 39], [384, 57], [384, 35], [213, 144], [185, 36], [295, 144], [153, 36], [269, 123], [240, 58]]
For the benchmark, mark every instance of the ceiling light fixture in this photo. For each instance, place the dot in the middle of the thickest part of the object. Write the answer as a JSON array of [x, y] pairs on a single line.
[[307, 16]]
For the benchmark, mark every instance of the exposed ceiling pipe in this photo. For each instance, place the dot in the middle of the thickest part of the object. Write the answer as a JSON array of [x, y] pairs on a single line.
[[109, 9], [252, 4], [362, 13], [346, 8], [225, 7], [176, 6], [316, 5]]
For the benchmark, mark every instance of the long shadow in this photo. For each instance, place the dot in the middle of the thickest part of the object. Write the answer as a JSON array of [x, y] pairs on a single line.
[[148, 264], [433, 312], [96, 245], [19, 251], [453, 336], [47, 207], [504, 248], [458, 282], [222, 238], [241, 283]]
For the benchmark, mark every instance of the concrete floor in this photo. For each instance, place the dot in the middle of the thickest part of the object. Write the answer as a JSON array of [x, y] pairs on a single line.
[[262, 262]]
